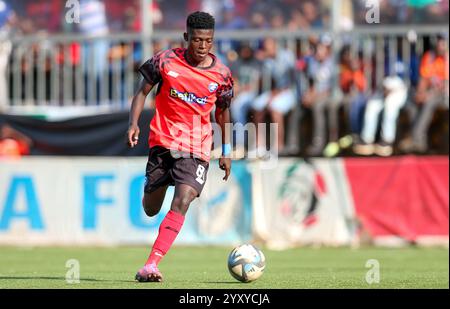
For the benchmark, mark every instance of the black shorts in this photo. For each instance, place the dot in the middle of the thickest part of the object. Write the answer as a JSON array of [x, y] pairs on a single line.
[[163, 170]]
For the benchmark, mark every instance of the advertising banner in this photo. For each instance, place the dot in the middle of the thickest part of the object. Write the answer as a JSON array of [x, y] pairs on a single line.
[[304, 202], [97, 201], [406, 197]]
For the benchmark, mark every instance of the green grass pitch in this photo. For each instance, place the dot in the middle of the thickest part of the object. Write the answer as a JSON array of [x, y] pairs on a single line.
[[205, 267]]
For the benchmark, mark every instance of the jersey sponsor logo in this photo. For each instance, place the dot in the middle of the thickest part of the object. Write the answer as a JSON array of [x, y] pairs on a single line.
[[173, 74], [213, 87], [187, 97]]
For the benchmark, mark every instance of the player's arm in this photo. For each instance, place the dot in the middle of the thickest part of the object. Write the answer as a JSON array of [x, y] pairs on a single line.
[[223, 117], [137, 106], [151, 72]]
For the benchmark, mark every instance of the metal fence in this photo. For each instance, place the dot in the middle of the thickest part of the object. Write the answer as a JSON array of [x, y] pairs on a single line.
[[99, 74]]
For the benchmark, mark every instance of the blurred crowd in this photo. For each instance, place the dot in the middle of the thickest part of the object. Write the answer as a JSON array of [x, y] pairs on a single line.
[[123, 16], [350, 111], [327, 100]]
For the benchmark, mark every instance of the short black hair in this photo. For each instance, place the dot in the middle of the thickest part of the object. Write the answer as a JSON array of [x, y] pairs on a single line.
[[200, 20]]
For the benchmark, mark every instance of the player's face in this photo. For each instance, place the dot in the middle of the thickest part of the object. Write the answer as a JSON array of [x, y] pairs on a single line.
[[200, 42]]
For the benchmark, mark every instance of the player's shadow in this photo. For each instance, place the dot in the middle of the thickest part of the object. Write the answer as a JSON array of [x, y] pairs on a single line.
[[221, 282], [58, 278]]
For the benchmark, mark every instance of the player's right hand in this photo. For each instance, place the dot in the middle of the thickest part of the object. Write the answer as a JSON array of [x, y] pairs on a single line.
[[133, 135], [225, 165]]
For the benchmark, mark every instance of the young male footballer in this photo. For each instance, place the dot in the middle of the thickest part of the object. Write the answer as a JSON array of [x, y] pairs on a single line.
[[191, 81]]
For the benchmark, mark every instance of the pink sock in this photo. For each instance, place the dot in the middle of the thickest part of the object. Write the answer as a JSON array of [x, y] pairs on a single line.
[[168, 231]]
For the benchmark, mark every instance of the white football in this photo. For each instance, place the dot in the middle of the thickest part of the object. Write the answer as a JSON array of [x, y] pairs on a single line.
[[246, 263]]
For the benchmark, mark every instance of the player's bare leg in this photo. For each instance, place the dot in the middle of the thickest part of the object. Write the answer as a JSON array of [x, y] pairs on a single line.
[[168, 231], [184, 195], [152, 202]]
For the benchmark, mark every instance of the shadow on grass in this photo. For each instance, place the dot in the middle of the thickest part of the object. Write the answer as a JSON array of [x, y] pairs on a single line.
[[60, 278], [222, 282]]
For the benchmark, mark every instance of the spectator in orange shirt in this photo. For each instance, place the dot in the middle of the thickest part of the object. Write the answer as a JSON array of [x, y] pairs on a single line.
[[13, 143], [352, 84], [431, 93]]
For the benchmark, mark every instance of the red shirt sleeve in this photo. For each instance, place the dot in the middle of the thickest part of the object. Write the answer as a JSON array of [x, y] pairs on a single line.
[[151, 69], [225, 92]]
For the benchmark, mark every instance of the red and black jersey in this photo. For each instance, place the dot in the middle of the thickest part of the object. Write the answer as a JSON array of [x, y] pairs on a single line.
[[184, 100]]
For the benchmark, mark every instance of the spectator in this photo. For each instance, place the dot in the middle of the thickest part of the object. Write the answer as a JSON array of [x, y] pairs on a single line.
[[432, 92], [390, 103], [308, 54], [7, 20], [297, 20], [131, 15], [258, 20], [229, 22], [311, 14], [277, 20], [428, 11], [278, 90], [174, 12], [318, 95], [246, 73], [305, 54], [393, 11], [215, 7], [13, 143], [352, 84], [95, 54]]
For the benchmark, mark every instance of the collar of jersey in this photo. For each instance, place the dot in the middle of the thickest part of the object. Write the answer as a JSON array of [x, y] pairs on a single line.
[[201, 68]]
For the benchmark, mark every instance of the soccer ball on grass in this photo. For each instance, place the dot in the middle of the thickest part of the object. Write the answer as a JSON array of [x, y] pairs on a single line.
[[246, 263]]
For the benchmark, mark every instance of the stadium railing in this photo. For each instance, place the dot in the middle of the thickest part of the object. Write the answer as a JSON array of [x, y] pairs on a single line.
[[99, 74]]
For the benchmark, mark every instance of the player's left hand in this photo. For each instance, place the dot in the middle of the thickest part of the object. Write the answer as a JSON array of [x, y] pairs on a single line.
[[225, 165]]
